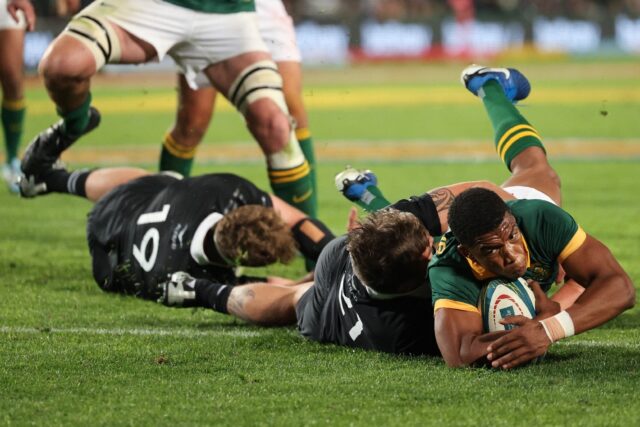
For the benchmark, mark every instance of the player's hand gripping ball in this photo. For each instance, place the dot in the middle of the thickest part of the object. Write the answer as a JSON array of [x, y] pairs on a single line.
[[502, 298]]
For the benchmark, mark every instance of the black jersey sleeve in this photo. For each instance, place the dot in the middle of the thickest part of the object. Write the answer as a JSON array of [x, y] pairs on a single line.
[[424, 209]]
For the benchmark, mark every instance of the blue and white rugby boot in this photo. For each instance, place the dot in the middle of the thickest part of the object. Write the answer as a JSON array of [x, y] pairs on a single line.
[[353, 183], [515, 85]]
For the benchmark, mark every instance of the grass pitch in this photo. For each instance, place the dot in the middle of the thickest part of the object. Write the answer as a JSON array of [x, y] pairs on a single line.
[[73, 355]]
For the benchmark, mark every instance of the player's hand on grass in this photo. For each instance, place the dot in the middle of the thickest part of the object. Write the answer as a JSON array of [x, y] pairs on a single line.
[[13, 6], [545, 306], [521, 345]]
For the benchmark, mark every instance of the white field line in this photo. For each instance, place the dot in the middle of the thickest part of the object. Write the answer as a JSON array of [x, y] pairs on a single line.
[[238, 334], [134, 331]]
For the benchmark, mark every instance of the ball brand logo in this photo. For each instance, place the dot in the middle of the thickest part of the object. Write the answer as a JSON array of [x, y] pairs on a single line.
[[506, 312], [507, 304]]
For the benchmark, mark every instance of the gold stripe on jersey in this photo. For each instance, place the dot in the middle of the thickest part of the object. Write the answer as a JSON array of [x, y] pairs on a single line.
[[515, 139], [574, 244], [178, 150], [455, 305]]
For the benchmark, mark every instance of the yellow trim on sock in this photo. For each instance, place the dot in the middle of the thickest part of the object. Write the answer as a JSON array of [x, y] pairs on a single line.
[[178, 150], [14, 104], [303, 133], [514, 139], [292, 177], [510, 132], [276, 173]]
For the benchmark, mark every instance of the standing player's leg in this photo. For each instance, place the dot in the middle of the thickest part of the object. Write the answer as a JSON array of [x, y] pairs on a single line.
[[259, 303], [291, 72], [195, 108], [278, 32], [517, 142], [89, 41], [13, 105], [252, 83]]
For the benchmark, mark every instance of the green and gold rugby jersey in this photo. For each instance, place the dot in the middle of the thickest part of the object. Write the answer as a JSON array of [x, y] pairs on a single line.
[[216, 6], [549, 233]]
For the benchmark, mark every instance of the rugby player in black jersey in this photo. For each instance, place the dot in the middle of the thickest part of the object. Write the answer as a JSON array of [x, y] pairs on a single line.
[[144, 227]]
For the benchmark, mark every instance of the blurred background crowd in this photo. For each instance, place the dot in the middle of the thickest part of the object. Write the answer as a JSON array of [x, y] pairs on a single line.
[[335, 32]]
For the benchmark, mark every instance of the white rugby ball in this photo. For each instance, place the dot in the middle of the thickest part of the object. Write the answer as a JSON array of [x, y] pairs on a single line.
[[503, 298]]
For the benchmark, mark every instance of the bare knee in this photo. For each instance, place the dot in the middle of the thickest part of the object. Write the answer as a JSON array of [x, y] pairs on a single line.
[[269, 125], [61, 67]]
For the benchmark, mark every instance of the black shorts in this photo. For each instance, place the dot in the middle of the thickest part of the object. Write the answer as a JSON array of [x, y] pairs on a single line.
[[108, 221]]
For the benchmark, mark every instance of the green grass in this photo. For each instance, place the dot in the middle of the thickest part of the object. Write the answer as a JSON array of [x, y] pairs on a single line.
[[72, 355]]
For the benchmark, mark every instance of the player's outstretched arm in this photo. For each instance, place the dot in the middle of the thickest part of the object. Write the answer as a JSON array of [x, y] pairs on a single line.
[[443, 197], [460, 338], [609, 292]]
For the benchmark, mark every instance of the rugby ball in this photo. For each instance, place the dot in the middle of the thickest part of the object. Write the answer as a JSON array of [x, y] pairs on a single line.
[[503, 298]]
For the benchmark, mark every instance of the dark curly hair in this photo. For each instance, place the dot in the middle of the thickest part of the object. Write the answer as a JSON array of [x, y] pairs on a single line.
[[475, 212]]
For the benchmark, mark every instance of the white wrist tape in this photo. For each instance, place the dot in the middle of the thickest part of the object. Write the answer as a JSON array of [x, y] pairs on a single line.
[[558, 326]]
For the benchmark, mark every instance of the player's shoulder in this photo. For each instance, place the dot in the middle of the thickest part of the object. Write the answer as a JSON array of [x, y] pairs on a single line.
[[446, 252]]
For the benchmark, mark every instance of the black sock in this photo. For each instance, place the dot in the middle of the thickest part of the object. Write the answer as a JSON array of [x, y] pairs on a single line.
[[63, 181], [212, 295]]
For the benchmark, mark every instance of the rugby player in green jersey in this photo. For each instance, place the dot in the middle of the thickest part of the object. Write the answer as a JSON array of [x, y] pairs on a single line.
[[217, 38], [491, 238]]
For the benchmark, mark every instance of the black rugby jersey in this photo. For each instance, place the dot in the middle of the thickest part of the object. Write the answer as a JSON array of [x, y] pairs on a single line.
[[339, 309], [156, 225]]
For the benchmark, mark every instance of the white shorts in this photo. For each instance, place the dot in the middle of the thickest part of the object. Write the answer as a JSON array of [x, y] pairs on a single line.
[[529, 193], [193, 39], [7, 22], [277, 31]]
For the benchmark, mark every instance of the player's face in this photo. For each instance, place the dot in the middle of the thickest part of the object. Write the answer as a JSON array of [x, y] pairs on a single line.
[[502, 251]]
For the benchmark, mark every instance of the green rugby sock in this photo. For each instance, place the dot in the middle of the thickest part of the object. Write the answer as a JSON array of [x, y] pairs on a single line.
[[294, 186], [12, 116], [372, 199], [513, 133], [76, 121], [175, 158], [303, 135]]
